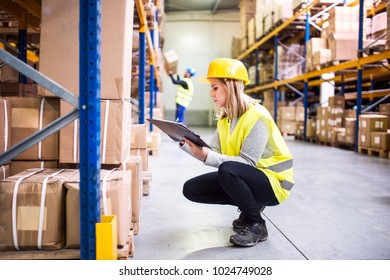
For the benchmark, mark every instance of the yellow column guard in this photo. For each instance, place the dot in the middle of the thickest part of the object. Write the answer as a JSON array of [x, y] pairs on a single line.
[[106, 238]]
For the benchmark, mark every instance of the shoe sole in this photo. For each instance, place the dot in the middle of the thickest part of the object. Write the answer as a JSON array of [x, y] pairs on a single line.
[[234, 242]]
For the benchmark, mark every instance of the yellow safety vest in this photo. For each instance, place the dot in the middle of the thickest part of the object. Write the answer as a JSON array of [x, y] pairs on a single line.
[[184, 96], [279, 167]]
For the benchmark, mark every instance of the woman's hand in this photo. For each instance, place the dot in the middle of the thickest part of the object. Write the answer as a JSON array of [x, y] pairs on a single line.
[[197, 151]]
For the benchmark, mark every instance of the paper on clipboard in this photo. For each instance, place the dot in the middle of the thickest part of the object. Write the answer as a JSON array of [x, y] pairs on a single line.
[[177, 131]]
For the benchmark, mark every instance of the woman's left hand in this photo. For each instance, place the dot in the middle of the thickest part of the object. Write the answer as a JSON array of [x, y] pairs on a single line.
[[197, 151]]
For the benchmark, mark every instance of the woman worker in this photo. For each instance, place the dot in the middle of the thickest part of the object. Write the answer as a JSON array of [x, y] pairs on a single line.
[[255, 167]]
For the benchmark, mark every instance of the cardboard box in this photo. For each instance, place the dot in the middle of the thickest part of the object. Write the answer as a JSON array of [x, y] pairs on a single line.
[[287, 113], [59, 46], [5, 125], [143, 153], [134, 163], [139, 135], [373, 122], [115, 133], [350, 130], [171, 61], [343, 46], [29, 210], [364, 139], [287, 127], [115, 187], [335, 116], [18, 166], [384, 108], [30, 115], [380, 140], [299, 113], [4, 172], [311, 128], [336, 101]]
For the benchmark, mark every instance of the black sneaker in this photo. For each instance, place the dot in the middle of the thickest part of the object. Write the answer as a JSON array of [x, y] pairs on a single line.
[[250, 235], [241, 222]]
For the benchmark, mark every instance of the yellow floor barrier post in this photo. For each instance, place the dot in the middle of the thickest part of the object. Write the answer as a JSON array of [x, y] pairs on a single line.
[[106, 239]]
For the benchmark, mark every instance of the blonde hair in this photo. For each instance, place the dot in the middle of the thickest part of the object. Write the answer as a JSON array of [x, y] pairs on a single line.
[[237, 102]]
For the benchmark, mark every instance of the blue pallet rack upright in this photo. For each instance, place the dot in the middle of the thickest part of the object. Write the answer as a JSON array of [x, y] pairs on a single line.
[[89, 108]]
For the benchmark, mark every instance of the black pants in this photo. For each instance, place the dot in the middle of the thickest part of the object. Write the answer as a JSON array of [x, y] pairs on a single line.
[[236, 184]]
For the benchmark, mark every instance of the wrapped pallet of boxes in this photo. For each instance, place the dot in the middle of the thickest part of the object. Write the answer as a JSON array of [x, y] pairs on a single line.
[[370, 123], [115, 199], [32, 210]]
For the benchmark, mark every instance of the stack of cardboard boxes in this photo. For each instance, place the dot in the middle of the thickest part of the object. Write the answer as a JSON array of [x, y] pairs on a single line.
[[374, 133], [40, 207]]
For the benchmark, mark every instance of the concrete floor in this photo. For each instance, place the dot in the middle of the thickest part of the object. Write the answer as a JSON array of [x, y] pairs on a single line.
[[339, 209]]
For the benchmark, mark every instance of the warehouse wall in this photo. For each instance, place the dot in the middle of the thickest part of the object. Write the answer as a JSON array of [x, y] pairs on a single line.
[[197, 38]]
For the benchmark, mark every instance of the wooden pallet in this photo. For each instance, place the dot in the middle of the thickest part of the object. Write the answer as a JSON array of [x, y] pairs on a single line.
[[332, 63], [298, 137], [345, 145], [325, 143], [286, 134], [65, 254], [375, 49], [313, 139], [374, 152]]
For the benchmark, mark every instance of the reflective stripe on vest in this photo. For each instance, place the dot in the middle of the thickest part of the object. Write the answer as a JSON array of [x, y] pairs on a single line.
[[287, 185], [282, 166]]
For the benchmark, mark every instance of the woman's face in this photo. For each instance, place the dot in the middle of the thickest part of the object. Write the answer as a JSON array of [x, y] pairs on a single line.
[[218, 92]]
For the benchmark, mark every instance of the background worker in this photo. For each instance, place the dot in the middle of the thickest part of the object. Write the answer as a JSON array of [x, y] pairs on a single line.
[[184, 93], [255, 167]]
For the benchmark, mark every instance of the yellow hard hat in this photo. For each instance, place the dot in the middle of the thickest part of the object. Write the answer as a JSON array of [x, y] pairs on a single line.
[[227, 68]]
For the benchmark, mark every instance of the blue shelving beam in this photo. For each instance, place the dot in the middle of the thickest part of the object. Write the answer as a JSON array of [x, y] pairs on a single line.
[[306, 85], [151, 85], [89, 108], [142, 75], [276, 97], [359, 74]]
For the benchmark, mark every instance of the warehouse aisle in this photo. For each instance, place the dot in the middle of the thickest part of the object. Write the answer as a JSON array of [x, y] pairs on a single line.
[[338, 209]]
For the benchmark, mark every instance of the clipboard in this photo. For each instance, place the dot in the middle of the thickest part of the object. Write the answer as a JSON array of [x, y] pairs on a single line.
[[177, 131]]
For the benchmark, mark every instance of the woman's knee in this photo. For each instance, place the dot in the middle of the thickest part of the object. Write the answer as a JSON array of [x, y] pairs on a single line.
[[188, 190], [227, 168]]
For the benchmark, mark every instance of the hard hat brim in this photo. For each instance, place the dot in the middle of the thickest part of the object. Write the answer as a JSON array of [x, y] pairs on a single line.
[[204, 80]]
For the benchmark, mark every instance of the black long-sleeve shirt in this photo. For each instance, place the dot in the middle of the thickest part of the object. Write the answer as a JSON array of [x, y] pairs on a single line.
[[178, 81]]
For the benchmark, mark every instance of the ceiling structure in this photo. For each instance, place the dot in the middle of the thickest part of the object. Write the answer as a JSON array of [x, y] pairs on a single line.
[[213, 6], [28, 11]]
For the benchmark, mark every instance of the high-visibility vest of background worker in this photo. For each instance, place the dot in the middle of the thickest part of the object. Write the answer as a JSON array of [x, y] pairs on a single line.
[[184, 93]]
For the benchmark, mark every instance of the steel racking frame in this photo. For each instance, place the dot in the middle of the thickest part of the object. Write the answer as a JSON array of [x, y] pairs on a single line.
[[307, 77]]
